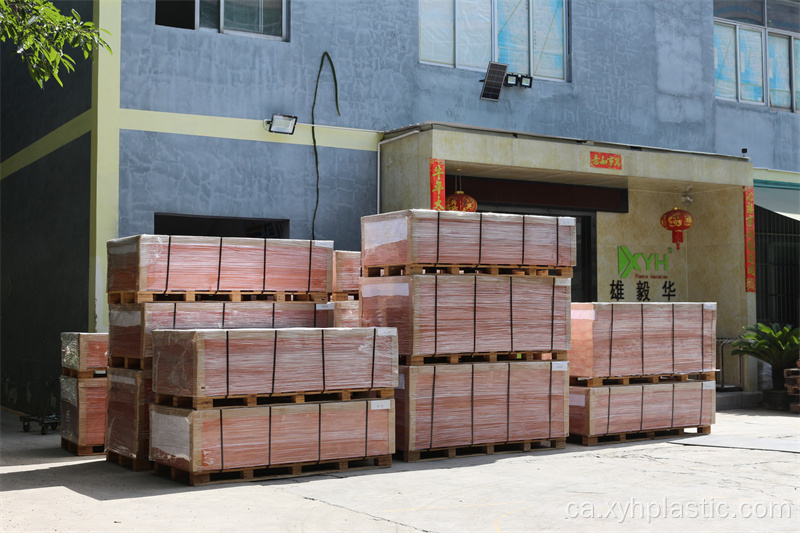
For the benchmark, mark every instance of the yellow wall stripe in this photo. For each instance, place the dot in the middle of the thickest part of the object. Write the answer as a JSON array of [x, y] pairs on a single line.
[[245, 129], [51, 142]]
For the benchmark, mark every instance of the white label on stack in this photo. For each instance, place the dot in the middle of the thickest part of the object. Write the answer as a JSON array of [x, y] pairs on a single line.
[[578, 400], [560, 366], [382, 405], [709, 385]]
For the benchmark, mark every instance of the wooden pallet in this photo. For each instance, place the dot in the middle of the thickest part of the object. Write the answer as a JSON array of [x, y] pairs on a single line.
[[83, 374], [250, 400], [633, 436], [646, 378], [137, 465], [487, 357], [265, 473], [220, 296], [344, 296], [131, 363], [450, 452], [794, 407], [78, 449], [495, 270]]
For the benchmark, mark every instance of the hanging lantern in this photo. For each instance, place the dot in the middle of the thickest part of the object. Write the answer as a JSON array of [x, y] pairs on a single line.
[[677, 220], [460, 201]]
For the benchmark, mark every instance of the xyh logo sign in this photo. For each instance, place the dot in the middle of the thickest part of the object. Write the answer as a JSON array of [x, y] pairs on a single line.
[[628, 261]]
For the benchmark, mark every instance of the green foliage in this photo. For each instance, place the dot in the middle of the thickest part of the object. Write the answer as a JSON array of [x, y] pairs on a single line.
[[777, 345], [41, 32]]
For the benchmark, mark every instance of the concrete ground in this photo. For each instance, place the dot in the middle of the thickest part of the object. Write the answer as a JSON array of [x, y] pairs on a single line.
[[660, 485]]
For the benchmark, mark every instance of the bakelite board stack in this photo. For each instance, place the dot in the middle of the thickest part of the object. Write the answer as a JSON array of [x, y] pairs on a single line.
[[345, 295], [189, 283], [83, 392], [641, 370], [481, 304], [235, 405]]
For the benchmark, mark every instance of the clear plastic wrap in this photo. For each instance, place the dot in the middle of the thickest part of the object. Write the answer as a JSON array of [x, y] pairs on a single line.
[[346, 271], [84, 351], [131, 325], [130, 393], [417, 236], [217, 363], [449, 314], [595, 411], [479, 403], [161, 263], [631, 339], [235, 438], [83, 410], [347, 314]]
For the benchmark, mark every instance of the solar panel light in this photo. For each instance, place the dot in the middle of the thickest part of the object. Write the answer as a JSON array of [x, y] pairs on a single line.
[[525, 81], [281, 124], [493, 82], [512, 80]]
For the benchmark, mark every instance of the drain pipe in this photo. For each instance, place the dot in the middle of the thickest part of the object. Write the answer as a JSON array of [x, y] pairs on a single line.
[[381, 143]]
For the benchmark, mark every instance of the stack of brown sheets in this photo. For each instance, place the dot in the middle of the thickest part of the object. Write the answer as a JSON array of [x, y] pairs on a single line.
[[84, 359], [426, 237], [449, 314], [162, 263]]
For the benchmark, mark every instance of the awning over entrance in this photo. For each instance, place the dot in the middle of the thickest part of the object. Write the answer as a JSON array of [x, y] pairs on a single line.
[[779, 197]]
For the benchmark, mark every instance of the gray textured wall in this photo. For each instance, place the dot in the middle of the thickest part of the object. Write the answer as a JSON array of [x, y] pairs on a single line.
[[223, 177], [28, 112], [44, 216]]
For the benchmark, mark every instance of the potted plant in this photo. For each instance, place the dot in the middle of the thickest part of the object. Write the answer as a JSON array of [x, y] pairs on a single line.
[[776, 345]]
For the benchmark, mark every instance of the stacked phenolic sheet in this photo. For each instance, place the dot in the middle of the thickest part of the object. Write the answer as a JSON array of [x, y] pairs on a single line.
[[426, 237], [83, 391], [619, 409], [470, 313], [221, 363], [260, 367], [164, 263], [130, 393], [630, 339], [641, 367], [346, 271], [469, 316], [481, 403]]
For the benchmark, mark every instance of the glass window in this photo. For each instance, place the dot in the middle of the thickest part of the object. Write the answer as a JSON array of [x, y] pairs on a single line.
[[796, 73], [724, 61], [264, 17], [784, 15], [527, 35], [751, 66], [780, 93], [436, 31], [474, 33], [548, 38], [513, 35], [747, 11], [254, 16]]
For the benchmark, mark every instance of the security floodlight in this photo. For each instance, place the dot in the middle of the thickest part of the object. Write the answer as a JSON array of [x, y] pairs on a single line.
[[281, 124]]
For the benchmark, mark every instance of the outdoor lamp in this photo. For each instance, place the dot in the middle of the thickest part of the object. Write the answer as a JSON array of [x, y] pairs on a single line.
[[511, 80], [525, 81], [281, 124]]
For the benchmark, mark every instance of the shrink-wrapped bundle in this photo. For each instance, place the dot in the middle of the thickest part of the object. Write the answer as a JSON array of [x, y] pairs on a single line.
[[426, 237], [231, 438], [130, 393], [84, 351], [163, 263], [347, 314], [221, 362], [629, 339], [479, 403], [83, 410], [451, 314], [131, 325], [346, 271], [596, 411]]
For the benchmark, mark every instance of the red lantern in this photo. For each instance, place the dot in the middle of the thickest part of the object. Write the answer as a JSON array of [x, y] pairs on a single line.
[[677, 220], [461, 202]]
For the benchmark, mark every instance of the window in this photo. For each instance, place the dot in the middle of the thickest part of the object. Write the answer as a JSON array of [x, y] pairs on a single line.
[[527, 35], [756, 49], [267, 18]]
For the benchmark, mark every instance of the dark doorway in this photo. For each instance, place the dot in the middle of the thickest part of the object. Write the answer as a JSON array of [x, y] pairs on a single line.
[[777, 268], [263, 228]]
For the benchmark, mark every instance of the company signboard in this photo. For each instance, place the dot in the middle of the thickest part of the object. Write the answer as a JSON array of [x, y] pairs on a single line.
[[642, 277]]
